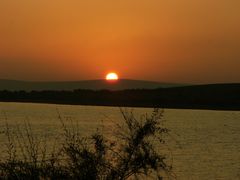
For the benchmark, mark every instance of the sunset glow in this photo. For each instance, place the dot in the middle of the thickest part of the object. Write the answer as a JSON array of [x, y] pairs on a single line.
[[167, 41], [111, 76]]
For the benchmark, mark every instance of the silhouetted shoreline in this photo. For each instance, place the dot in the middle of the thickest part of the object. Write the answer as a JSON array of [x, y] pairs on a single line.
[[212, 97]]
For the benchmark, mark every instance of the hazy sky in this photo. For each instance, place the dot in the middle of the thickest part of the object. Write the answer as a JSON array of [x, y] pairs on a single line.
[[163, 40]]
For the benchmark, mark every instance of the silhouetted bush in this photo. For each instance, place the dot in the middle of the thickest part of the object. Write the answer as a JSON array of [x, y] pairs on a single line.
[[131, 153]]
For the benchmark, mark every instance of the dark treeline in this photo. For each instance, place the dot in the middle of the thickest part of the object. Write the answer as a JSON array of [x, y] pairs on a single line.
[[218, 96]]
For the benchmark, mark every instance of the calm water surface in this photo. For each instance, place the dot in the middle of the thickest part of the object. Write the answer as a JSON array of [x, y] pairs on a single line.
[[204, 144]]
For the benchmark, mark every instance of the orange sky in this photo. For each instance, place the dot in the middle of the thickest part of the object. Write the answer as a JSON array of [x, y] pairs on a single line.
[[193, 41]]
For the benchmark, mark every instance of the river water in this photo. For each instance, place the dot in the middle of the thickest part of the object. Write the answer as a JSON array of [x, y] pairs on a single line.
[[204, 144]]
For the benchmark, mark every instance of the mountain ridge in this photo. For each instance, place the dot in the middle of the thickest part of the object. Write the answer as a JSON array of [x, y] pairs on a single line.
[[97, 84], [209, 96]]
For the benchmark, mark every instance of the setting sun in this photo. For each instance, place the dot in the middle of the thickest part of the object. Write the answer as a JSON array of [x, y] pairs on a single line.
[[112, 76]]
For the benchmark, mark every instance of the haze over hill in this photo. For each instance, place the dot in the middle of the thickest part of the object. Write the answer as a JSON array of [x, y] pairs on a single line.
[[121, 84]]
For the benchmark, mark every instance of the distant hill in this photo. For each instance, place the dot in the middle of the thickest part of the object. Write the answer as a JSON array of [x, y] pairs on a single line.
[[212, 96], [122, 84]]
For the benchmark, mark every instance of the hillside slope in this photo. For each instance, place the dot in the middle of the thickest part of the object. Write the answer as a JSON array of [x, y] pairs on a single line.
[[122, 84], [216, 96]]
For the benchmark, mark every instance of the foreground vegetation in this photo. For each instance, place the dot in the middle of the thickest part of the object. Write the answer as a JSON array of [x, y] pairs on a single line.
[[131, 153]]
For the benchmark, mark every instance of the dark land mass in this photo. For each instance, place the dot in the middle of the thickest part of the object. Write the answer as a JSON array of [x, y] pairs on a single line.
[[214, 96], [121, 84]]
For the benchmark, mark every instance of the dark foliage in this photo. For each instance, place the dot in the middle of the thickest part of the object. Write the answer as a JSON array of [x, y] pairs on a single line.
[[219, 96], [131, 153]]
